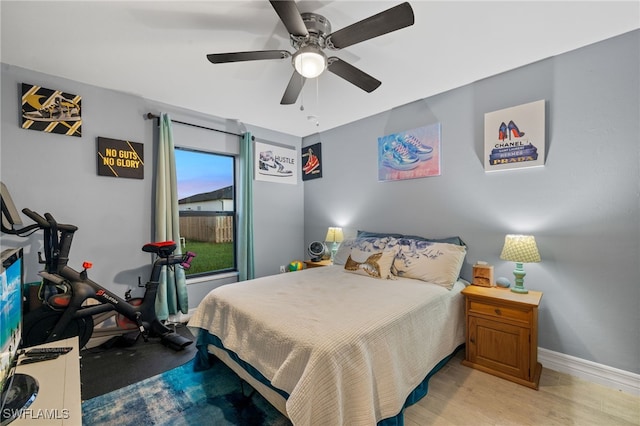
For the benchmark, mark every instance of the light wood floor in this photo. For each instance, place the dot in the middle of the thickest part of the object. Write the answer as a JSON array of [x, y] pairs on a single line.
[[461, 396]]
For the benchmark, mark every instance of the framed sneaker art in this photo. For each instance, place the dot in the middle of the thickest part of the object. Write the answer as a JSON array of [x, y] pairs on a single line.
[[51, 111], [275, 163], [410, 154], [312, 162]]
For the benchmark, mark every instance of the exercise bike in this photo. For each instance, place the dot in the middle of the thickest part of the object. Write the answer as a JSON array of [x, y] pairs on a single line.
[[64, 313]]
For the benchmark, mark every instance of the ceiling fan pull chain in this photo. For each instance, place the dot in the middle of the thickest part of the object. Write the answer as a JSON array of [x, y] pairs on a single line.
[[318, 101], [302, 99]]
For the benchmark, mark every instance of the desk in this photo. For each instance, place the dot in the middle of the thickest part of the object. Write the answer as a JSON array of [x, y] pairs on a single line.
[[58, 401]]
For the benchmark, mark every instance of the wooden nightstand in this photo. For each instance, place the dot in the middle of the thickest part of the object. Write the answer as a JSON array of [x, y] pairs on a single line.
[[312, 264], [502, 333]]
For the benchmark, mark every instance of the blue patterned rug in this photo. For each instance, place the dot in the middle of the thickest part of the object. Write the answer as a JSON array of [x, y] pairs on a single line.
[[184, 397]]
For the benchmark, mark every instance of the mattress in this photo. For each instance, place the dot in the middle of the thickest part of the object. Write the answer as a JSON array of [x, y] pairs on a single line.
[[344, 348]]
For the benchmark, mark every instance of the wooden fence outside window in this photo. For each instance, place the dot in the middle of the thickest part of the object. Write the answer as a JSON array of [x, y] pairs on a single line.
[[212, 227]]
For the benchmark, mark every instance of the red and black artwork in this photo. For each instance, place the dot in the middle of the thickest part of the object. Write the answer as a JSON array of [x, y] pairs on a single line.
[[312, 162]]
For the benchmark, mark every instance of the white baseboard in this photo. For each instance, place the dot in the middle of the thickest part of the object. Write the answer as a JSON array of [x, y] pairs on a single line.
[[597, 373]]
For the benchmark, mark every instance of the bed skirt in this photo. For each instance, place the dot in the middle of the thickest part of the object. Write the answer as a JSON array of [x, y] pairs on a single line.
[[202, 362]]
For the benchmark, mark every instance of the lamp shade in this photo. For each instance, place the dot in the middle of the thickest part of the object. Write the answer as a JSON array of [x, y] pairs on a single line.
[[309, 61], [520, 249], [334, 235]]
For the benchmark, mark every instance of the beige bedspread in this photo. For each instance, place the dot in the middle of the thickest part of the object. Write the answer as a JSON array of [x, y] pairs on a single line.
[[348, 349]]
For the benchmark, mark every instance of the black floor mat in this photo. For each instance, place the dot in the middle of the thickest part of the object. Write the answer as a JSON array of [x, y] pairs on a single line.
[[118, 364]]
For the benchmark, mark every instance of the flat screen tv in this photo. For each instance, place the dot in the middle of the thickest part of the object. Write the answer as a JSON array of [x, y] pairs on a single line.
[[18, 390]]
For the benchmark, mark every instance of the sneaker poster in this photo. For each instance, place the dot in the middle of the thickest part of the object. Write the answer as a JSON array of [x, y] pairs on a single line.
[[51, 111], [312, 162], [515, 137], [275, 163], [411, 154]]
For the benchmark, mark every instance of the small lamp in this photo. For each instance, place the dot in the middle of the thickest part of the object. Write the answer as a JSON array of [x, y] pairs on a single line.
[[335, 236], [520, 249]]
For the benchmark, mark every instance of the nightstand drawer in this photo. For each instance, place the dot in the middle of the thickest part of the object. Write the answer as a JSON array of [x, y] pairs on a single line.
[[499, 311]]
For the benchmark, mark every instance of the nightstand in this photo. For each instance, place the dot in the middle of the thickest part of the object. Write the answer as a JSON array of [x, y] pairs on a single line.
[[502, 333], [312, 264]]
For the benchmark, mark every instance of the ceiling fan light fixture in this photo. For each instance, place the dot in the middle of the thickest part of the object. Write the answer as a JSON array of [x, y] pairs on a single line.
[[309, 61]]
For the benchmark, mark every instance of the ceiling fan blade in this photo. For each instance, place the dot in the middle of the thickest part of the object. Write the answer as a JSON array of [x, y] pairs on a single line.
[[293, 89], [221, 58], [290, 17], [393, 19], [352, 74]]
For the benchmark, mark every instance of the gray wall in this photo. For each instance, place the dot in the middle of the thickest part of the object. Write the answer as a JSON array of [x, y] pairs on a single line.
[[583, 207], [57, 174]]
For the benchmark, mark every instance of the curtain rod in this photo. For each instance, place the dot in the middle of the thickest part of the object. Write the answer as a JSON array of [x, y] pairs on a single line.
[[151, 116]]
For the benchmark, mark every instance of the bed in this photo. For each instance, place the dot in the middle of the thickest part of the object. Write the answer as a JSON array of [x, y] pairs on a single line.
[[347, 344]]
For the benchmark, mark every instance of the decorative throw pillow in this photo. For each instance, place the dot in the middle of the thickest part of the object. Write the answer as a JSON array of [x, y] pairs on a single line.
[[437, 263], [451, 240], [369, 234], [343, 252], [372, 264], [364, 244]]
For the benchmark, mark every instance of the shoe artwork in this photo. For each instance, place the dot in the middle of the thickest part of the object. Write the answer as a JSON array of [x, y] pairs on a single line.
[[397, 156], [269, 165], [414, 145], [502, 131], [514, 129], [311, 164], [57, 108]]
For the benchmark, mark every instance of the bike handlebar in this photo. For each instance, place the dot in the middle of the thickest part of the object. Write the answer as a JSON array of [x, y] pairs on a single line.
[[47, 221], [41, 221]]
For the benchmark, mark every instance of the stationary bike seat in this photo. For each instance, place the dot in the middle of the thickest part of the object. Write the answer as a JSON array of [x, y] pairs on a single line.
[[161, 248]]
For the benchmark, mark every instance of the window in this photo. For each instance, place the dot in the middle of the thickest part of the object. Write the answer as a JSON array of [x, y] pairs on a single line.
[[206, 203]]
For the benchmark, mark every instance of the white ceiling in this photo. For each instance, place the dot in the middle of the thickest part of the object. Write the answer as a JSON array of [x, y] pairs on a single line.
[[157, 49]]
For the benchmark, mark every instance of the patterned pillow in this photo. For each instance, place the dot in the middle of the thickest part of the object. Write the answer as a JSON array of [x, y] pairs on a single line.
[[451, 240], [437, 263], [375, 264], [364, 244]]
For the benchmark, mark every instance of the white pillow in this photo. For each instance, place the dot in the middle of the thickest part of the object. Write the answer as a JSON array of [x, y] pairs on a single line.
[[437, 263], [372, 264]]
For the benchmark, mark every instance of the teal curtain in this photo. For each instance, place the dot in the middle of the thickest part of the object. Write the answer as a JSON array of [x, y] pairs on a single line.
[[172, 291], [245, 214]]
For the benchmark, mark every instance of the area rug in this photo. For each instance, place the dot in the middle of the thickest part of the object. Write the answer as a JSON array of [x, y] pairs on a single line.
[[184, 397]]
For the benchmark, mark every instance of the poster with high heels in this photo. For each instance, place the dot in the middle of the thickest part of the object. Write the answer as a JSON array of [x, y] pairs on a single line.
[[514, 138]]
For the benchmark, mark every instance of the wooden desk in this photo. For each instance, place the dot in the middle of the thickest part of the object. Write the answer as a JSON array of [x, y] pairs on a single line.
[[58, 401]]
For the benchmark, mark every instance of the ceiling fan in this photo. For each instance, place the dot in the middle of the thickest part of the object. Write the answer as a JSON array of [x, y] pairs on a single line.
[[310, 33]]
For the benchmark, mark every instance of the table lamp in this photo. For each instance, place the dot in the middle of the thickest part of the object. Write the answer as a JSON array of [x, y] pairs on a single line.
[[520, 249], [335, 236]]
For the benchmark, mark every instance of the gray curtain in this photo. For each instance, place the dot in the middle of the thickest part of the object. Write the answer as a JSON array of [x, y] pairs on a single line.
[[245, 214], [172, 291]]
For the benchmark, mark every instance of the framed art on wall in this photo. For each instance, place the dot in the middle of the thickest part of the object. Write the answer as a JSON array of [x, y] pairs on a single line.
[[51, 111], [119, 158], [275, 163], [312, 162], [514, 137], [410, 154]]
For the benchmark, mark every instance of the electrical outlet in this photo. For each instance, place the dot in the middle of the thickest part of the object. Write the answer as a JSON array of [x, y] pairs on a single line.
[[282, 269]]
